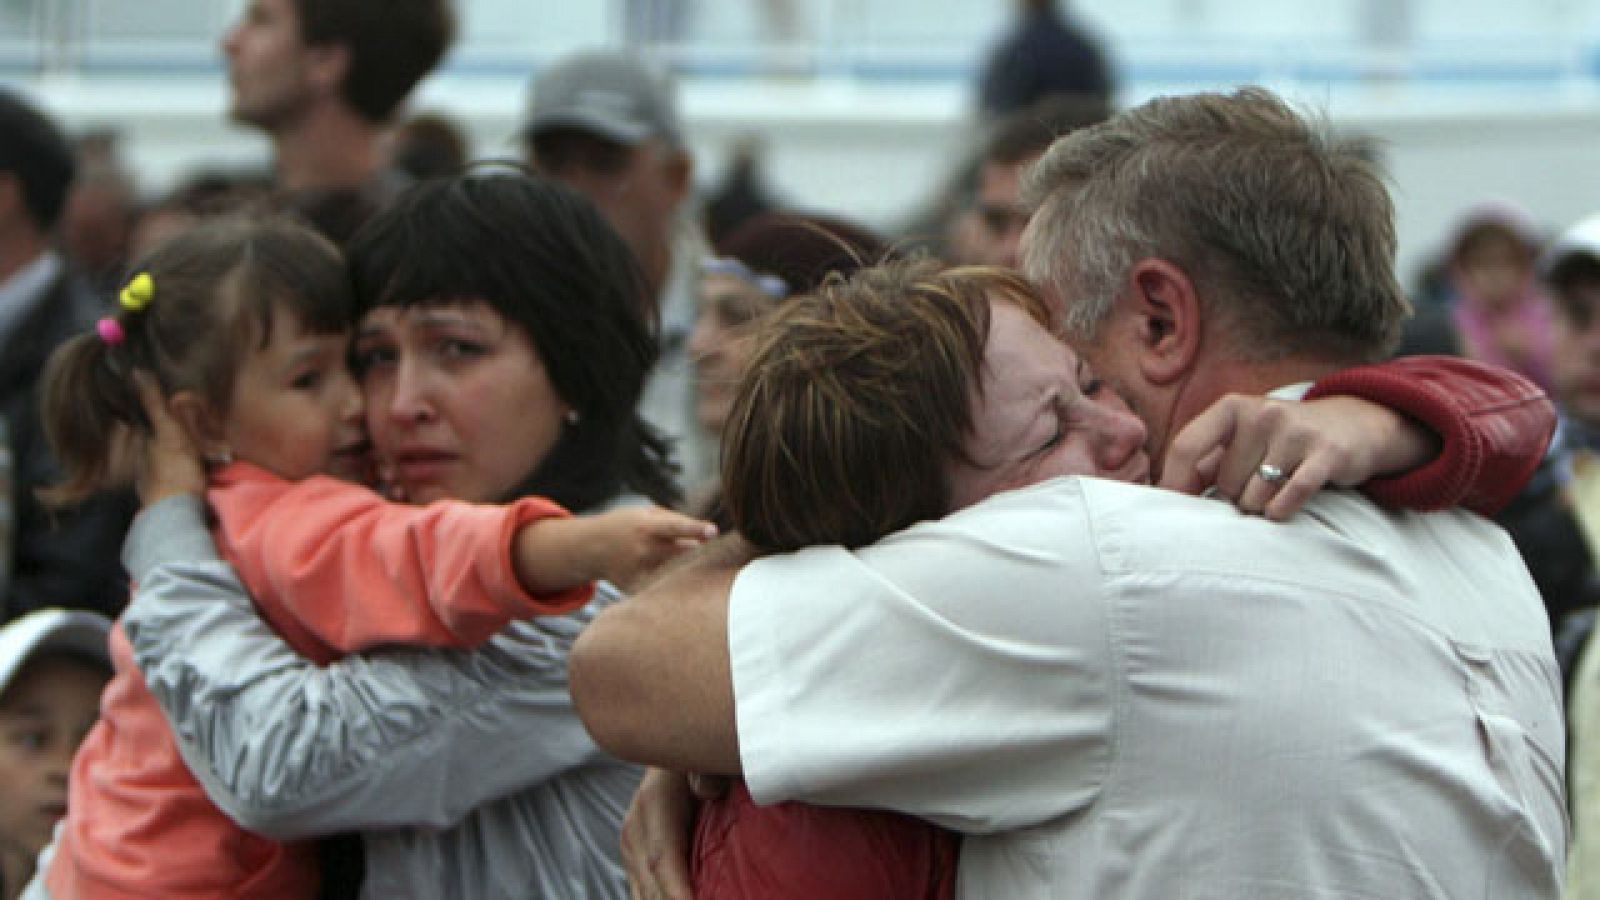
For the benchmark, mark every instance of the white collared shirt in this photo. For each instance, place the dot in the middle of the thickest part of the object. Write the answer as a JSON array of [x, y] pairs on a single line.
[[1296, 391], [1119, 691]]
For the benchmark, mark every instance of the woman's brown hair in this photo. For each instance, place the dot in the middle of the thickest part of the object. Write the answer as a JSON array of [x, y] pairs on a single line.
[[857, 397]]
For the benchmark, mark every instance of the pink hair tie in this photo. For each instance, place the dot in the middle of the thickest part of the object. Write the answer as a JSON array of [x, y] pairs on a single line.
[[110, 331]]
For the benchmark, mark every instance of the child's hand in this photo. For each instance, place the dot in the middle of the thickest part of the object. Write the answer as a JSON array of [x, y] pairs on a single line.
[[165, 461], [623, 546], [632, 543]]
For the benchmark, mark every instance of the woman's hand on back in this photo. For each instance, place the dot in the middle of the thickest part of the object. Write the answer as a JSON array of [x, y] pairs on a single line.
[[1241, 440], [656, 836]]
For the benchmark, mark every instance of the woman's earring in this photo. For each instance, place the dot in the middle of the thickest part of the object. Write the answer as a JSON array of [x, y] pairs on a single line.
[[571, 417]]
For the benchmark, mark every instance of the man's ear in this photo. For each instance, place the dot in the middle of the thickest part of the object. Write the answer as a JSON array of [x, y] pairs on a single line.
[[328, 64], [200, 422], [1166, 314]]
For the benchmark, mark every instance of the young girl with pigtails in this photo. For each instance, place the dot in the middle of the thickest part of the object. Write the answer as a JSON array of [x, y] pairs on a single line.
[[243, 325]]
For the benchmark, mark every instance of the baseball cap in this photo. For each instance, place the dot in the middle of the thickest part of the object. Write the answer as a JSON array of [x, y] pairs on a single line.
[[608, 93], [1581, 240], [51, 629]]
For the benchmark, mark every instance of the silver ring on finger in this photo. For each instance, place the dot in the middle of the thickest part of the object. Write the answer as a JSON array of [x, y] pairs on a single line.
[[1271, 474]]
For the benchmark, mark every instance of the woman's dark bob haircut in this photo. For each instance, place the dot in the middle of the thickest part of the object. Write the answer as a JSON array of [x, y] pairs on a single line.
[[542, 256]]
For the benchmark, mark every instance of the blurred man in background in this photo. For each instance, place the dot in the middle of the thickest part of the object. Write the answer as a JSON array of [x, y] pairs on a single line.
[[989, 232], [322, 79], [607, 125]]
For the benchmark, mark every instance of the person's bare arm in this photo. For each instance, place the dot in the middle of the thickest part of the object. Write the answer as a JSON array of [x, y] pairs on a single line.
[[651, 678], [621, 546]]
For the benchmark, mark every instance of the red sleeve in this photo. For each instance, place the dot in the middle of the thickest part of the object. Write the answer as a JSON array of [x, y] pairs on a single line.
[[336, 569], [793, 851], [1493, 424]]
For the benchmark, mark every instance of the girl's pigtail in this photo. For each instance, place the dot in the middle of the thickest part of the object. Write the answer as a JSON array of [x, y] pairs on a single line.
[[90, 409]]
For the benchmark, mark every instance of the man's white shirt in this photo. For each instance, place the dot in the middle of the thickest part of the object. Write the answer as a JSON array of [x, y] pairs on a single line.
[[1118, 691]]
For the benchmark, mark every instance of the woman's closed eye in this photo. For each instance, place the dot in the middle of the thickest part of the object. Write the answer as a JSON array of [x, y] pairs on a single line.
[[1088, 384], [1055, 440], [1058, 434], [307, 380]]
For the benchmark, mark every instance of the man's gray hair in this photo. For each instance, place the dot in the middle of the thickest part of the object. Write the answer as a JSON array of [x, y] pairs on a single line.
[[1286, 232]]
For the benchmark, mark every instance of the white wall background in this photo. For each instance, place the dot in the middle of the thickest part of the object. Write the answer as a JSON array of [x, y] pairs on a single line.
[[1471, 98]]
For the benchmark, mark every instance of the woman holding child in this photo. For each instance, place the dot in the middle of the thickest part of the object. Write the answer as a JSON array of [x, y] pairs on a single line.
[[501, 343]]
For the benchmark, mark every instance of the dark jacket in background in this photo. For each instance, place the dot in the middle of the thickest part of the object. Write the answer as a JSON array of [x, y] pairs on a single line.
[[68, 558], [1046, 54]]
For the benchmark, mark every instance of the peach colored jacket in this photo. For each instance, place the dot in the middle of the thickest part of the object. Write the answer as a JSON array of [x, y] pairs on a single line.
[[336, 570]]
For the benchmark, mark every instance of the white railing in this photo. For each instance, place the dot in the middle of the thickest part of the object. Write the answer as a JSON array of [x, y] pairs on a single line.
[[1151, 41]]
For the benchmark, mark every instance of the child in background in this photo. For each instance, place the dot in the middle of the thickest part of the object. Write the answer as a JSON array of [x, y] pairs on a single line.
[[244, 326], [1499, 310], [53, 665]]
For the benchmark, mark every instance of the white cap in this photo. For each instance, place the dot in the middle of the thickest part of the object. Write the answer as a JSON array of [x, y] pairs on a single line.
[[1582, 239], [51, 629]]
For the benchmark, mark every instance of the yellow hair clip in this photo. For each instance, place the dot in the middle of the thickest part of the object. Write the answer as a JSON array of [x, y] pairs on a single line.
[[139, 292]]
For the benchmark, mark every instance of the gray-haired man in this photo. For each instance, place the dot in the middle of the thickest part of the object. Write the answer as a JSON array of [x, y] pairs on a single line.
[[1116, 691]]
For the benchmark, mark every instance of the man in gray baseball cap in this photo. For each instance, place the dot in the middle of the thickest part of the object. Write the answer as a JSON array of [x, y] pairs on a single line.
[[607, 125]]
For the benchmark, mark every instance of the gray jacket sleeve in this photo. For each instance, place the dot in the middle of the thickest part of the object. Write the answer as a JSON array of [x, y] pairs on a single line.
[[288, 749]]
